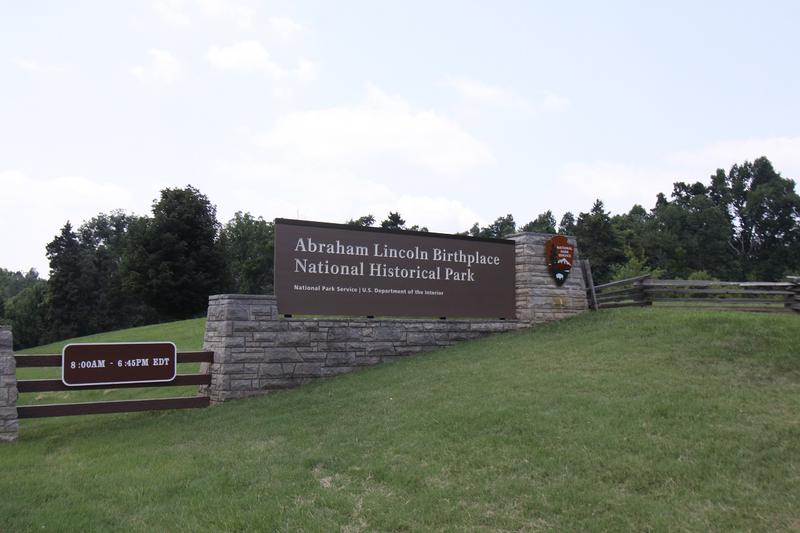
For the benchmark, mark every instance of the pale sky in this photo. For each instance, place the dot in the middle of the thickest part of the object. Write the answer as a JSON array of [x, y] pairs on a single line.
[[450, 112]]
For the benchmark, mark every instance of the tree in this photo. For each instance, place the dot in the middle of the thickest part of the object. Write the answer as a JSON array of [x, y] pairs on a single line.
[[72, 284], [363, 222], [765, 210], [173, 260], [249, 246], [544, 223], [599, 241], [394, 221], [28, 312], [103, 238], [500, 228], [567, 224]]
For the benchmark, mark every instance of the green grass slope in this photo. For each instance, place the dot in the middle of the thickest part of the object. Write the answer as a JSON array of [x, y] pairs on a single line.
[[612, 421], [186, 334]]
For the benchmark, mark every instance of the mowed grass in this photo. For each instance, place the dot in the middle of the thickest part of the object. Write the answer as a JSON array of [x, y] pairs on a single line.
[[633, 419]]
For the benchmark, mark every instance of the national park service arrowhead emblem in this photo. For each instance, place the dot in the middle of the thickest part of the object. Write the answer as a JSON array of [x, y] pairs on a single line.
[[559, 254]]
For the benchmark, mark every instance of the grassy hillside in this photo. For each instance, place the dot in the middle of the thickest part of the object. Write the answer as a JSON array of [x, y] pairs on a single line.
[[646, 419], [186, 334]]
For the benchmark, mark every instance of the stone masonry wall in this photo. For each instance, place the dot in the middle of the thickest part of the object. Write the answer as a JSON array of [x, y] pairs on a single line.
[[8, 388], [539, 300], [257, 350]]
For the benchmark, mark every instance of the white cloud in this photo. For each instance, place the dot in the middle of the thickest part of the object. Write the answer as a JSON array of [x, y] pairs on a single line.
[[306, 71], [242, 15], [36, 67], [246, 56], [180, 12], [250, 57], [382, 126], [171, 12], [163, 68], [476, 92], [43, 205], [620, 184], [285, 28], [554, 103], [320, 191]]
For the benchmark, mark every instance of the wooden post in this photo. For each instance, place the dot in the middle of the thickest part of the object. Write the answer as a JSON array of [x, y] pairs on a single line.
[[588, 280], [793, 302], [642, 298]]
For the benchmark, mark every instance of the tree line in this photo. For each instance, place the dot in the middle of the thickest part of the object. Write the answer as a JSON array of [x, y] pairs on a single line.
[[121, 270]]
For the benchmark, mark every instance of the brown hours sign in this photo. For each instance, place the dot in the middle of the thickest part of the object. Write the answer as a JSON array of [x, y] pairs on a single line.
[[118, 363]]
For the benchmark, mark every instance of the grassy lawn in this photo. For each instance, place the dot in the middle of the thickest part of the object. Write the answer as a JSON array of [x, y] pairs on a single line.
[[631, 419]]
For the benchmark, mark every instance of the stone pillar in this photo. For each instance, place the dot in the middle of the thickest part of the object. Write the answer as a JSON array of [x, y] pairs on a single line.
[[539, 300], [235, 323], [9, 426]]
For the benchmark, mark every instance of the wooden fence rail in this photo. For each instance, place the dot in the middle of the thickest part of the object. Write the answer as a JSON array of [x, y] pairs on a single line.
[[117, 406], [759, 296]]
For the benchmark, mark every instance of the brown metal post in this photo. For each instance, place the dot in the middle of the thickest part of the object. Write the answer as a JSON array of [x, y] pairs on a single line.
[[9, 424]]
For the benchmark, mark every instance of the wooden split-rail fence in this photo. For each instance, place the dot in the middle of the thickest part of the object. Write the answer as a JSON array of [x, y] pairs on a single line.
[[115, 406], [756, 296]]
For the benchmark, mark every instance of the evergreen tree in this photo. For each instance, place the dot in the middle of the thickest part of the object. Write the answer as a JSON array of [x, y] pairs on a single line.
[[172, 260], [567, 224], [544, 223], [599, 242], [394, 221]]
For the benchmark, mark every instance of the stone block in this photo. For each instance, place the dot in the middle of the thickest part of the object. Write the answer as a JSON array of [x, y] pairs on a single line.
[[309, 370], [421, 339], [292, 338], [241, 385], [277, 355], [264, 336], [391, 334], [244, 357], [344, 334], [340, 359], [336, 370], [235, 312], [271, 370], [380, 349], [367, 360]]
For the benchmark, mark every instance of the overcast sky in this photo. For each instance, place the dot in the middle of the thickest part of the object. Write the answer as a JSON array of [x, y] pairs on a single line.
[[448, 112]]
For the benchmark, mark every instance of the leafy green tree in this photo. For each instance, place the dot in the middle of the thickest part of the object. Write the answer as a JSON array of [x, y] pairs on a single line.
[[599, 241], [172, 260], [103, 238], [766, 213], [689, 233], [544, 223], [363, 222], [29, 313], [12, 283], [500, 228], [249, 246]]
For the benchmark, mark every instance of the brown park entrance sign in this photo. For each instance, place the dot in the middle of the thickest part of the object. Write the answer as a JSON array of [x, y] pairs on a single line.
[[118, 363], [337, 269], [560, 255]]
